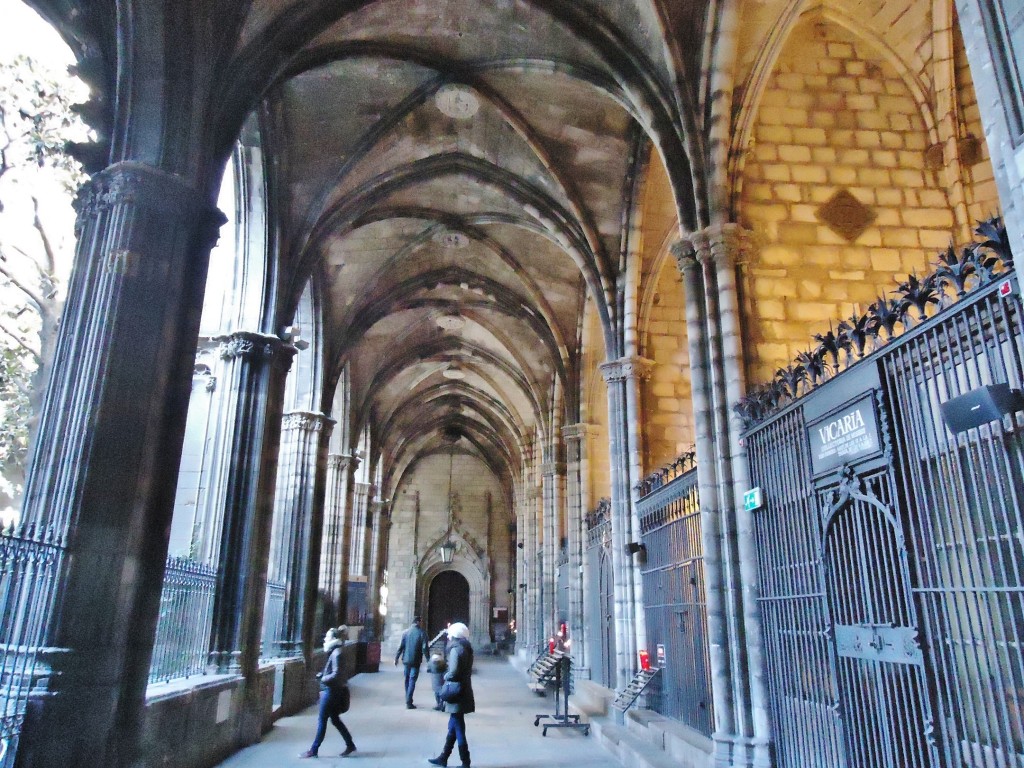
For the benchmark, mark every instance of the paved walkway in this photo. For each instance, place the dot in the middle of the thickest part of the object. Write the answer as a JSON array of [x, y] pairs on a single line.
[[387, 735]]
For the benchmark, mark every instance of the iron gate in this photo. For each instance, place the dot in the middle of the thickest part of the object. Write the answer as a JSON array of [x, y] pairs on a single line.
[[879, 665], [600, 602], [892, 580], [673, 578]]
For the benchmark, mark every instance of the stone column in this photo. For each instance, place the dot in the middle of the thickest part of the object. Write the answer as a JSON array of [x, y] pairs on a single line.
[[622, 376], [553, 485], [378, 524], [104, 466], [744, 738], [726, 245], [576, 436], [298, 520], [360, 523], [710, 514], [255, 371], [333, 568]]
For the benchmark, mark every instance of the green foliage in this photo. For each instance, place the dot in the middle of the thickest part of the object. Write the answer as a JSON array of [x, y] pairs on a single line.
[[36, 122]]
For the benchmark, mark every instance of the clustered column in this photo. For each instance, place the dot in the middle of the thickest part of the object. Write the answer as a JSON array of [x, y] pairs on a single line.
[[620, 375], [576, 436], [298, 520], [553, 484], [333, 552], [708, 260], [256, 369], [105, 464]]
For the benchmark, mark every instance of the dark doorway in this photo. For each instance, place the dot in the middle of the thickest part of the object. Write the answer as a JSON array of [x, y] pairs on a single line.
[[448, 601]]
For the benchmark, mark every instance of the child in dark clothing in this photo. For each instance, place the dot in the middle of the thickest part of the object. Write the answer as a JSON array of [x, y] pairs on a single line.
[[437, 666]]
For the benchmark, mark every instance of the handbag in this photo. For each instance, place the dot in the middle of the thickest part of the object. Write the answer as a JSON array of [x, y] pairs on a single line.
[[342, 699], [450, 691]]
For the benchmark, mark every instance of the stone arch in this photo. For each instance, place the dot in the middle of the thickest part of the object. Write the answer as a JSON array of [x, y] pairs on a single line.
[[472, 563]]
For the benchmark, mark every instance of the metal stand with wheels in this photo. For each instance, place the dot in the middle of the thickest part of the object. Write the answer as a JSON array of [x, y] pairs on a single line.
[[561, 717]]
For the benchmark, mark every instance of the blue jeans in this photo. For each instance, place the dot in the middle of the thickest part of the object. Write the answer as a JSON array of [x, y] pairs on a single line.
[[457, 729], [329, 711], [412, 671]]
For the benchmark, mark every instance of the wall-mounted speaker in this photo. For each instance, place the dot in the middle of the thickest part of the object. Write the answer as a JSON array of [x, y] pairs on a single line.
[[980, 406]]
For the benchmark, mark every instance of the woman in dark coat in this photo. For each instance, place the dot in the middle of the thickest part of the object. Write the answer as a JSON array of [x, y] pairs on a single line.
[[460, 670], [333, 691]]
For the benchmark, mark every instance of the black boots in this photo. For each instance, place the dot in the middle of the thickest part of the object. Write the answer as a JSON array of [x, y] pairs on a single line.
[[442, 759], [464, 754]]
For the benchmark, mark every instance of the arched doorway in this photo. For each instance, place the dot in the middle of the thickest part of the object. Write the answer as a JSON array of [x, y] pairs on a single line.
[[448, 601]]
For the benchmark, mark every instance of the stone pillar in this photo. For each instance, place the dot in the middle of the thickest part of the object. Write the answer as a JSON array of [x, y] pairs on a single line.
[[553, 485], [298, 520], [379, 523], [333, 563], [360, 523], [104, 466], [710, 514], [256, 369], [621, 376], [576, 436], [746, 739]]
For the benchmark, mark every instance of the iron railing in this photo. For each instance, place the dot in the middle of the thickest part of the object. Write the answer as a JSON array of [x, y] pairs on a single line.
[[892, 588], [181, 647], [30, 563], [273, 643], [683, 464], [675, 609]]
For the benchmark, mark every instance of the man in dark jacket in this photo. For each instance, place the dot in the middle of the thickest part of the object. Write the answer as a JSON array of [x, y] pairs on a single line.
[[411, 651]]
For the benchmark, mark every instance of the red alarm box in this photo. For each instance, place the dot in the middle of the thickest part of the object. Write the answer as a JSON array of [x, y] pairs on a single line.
[[645, 660]]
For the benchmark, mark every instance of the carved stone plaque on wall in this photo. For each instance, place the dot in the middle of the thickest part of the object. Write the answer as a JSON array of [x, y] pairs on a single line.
[[845, 215]]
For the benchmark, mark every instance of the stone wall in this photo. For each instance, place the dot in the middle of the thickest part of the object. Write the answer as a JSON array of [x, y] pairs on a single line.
[[412, 545], [668, 412], [834, 118]]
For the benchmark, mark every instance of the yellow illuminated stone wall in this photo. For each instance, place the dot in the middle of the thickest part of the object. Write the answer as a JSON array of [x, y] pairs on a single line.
[[834, 116]]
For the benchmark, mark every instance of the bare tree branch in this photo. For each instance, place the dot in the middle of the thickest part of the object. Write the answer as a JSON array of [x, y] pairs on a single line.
[[37, 223], [17, 283], [20, 342]]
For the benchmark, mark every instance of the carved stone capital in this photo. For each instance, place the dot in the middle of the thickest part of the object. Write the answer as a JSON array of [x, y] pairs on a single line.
[[626, 368], [304, 421], [255, 347], [686, 256], [340, 462], [722, 245], [138, 185]]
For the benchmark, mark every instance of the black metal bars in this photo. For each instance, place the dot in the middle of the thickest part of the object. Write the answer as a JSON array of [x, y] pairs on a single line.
[[181, 647]]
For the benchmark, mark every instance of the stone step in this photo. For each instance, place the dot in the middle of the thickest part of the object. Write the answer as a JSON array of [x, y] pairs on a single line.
[[638, 722], [591, 698], [630, 749]]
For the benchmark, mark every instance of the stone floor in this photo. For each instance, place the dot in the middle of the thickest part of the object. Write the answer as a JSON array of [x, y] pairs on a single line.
[[501, 732]]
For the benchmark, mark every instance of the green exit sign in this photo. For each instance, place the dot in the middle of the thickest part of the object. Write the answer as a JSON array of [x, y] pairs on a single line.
[[752, 500]]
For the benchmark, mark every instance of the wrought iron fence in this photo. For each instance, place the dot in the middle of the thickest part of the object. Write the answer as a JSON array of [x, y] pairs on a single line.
[[683, 464], [675, 609], [599, 604], [272, 646], [30, 563], [892, 583], [181, 647]]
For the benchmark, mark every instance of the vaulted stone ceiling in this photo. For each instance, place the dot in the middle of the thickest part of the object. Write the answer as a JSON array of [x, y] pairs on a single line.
[[459, 175], [460, 172]]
